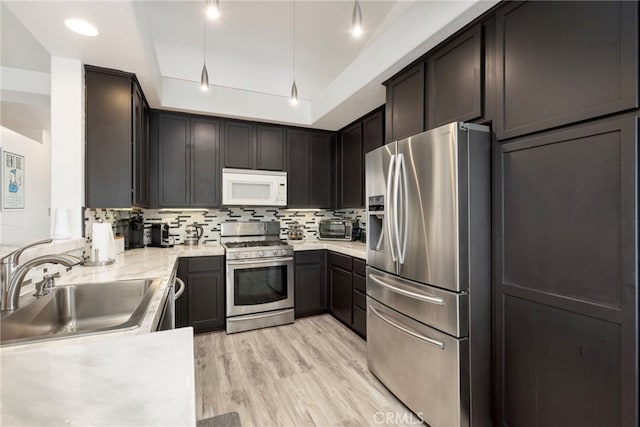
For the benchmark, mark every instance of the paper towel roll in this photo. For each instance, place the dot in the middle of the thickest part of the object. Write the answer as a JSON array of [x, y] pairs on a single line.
[[62, 224], [102, 242]]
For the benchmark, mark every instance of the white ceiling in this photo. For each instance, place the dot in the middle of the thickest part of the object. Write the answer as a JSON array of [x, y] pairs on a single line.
[[250, 48]]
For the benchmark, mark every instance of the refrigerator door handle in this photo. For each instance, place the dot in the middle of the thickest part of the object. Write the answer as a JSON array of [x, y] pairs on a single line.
[[396, 198], [402, 241], [415, 295], [431, 341], [389, 208]]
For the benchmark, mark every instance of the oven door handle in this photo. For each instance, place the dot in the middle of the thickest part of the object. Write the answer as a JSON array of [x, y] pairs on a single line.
[[259, 261]]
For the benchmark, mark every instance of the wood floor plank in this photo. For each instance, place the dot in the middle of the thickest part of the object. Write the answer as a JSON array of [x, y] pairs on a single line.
[[310, 373]]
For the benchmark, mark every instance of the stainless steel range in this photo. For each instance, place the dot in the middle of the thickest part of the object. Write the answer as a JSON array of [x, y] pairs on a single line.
[[259, 276]]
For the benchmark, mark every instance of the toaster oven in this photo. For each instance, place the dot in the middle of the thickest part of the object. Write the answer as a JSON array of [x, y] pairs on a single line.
[[337, 229]]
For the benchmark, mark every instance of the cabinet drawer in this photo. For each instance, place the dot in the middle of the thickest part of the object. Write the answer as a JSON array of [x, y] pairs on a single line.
[[360, 321], [342, 261], [360, 283], [205, 263], [359, 299], [308, 257], [360, 267]]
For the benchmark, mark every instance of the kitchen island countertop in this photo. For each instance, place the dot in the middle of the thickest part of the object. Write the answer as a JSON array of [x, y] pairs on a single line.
[[130, 380]]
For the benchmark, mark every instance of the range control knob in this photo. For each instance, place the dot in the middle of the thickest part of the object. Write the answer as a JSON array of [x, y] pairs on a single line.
[[236, 255], [260, 253]]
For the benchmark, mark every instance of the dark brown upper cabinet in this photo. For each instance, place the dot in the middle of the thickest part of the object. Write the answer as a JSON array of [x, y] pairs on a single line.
[[116, 150], [373, 131], [270, 153], [254, 146], [240, 145], [310, 168], [355, 140], [321, 167], [298, 168], [188, 150], [563, 62], [141, 186], [454, 80], [405, 104], [350, 167], [205, 162], [174, 137]]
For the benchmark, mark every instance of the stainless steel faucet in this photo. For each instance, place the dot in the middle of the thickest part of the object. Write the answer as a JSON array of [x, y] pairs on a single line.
[[12, 273]]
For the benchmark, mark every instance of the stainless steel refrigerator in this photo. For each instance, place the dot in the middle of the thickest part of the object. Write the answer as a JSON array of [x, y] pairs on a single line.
[[429, 273]]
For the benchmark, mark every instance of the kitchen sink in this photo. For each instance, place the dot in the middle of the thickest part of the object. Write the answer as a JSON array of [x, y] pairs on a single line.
[[79, 309]]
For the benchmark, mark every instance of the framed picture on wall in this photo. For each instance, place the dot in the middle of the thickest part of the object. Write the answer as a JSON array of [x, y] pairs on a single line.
[[13, 176]]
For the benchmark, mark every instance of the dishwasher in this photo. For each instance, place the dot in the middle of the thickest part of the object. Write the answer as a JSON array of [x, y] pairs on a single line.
[[168, 317]]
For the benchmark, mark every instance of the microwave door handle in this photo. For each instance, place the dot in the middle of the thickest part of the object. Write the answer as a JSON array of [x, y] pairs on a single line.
[[389, 208]]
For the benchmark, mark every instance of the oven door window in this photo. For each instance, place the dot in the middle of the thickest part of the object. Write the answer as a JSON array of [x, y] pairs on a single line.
[[260, 285]]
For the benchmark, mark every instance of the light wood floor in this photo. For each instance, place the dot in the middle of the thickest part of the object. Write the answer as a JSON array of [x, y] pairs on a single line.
[[311, 373]]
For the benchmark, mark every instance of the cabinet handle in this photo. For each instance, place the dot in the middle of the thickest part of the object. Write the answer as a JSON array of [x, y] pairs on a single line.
[[431, 341]]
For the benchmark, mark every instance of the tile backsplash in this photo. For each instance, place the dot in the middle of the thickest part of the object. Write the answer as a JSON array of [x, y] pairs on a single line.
[[210, 219]]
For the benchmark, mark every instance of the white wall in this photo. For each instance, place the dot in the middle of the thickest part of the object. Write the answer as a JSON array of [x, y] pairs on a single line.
[[67, 139], [32, 223]]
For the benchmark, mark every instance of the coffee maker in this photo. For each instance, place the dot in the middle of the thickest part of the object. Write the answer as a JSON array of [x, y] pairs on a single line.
[[160, 237], [135, 234]]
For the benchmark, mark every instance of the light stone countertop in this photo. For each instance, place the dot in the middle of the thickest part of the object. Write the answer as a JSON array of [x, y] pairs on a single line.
[[354, 249], [147, 263], [128, 377], [151, 263], [140, 380], [55, 247]]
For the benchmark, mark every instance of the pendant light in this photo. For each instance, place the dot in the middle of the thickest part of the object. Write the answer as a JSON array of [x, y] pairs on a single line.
[[294, 88], [213, 9], [204, 75], [356, 20]]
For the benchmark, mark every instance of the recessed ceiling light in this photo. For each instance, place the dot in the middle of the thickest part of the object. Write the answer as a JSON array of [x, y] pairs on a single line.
[[81, 27]]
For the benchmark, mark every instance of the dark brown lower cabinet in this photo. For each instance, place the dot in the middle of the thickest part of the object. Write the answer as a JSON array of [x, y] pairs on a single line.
[[359, 323], [566, 277], [310, 283], [202, 305], [347, 291], [329, 281], [340, 302]]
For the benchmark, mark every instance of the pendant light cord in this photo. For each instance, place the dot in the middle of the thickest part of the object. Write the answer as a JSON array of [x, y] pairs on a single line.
[[204, 39], [294, 40]]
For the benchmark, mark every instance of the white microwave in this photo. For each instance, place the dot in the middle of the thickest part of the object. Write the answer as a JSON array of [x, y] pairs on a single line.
[[246, 187]]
